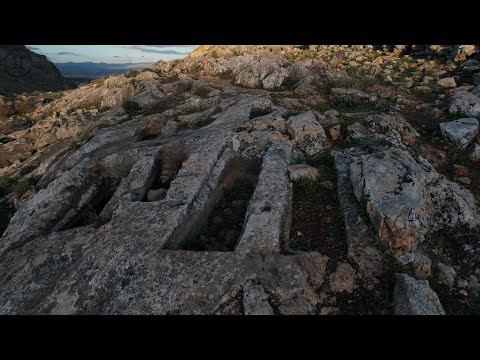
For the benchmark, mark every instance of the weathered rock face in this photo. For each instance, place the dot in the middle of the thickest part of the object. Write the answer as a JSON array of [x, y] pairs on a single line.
[[308, 134], [125, 194], [394, 127], [34, 72], [415, 297], [405, 197], [461, 132]]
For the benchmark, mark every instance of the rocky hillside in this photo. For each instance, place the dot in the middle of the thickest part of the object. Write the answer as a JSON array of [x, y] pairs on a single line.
[[22, 70], [249, 180]]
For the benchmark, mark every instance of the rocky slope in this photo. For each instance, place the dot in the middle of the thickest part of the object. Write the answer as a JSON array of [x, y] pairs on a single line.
[[22, 70], [249, 180]]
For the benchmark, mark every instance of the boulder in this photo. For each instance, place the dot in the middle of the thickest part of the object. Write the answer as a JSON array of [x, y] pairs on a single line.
[[307, 133], [298, 171], [461, 132], [403, 195], [466, 103], [447, 82], [415, 297], [156, 195]]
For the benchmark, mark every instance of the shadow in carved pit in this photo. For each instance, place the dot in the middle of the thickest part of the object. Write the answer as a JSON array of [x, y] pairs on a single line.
[[218, 225]]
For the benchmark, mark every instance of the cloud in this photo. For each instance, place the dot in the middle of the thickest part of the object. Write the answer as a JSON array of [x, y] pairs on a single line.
[[116, 56], [68, 53], [158, 49], [34, 48]]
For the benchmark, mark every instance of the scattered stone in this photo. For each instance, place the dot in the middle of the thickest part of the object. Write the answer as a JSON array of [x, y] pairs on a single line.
[[298, 171], [447, 82], [357, 131], [415, 297], [446, 274], [462, 284], [461, 132], [463, 292], [156, 195], [460, 170], [435, 156], [343, 279], [335, 132], [464, 102], [422, 265]]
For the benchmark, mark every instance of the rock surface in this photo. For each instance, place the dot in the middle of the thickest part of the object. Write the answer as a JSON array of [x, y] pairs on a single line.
[[461, 132], [415, 297]]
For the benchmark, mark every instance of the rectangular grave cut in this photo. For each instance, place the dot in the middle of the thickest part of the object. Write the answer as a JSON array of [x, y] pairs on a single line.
[[218, 226]]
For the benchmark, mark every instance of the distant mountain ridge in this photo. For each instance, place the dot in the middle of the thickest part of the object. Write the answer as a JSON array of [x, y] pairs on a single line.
[[93, 70]]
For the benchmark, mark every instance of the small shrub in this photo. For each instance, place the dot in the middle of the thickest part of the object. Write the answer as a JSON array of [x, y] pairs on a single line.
[[299, 243], [23, 186], [191, 110], [202, 91], [182, 127], [131, 74], [183, 86], [131, 107], [99, 82], [160, 106], [27, 170], [288, 84], [322, 106], [289, 113]]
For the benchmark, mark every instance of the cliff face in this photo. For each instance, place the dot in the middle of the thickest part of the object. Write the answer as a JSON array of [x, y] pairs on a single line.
[[22, 70]]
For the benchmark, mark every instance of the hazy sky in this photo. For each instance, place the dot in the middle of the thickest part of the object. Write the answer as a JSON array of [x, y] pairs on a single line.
[[111, 53]]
